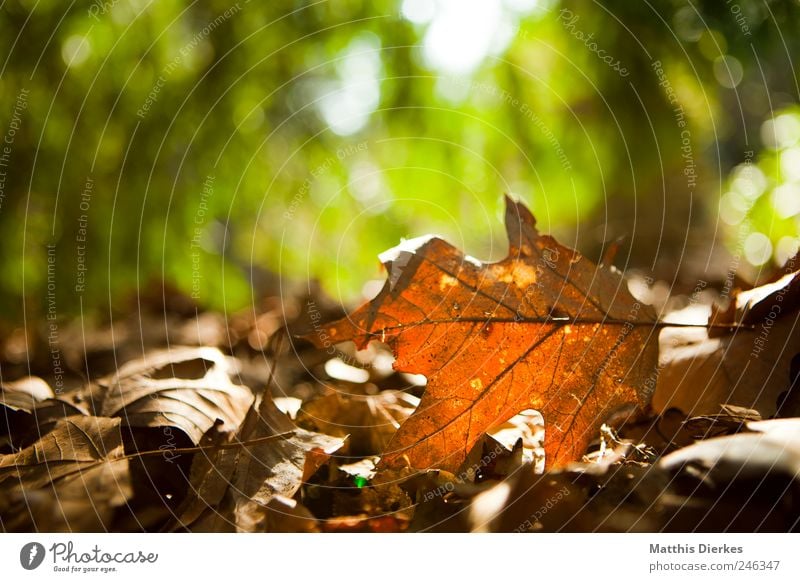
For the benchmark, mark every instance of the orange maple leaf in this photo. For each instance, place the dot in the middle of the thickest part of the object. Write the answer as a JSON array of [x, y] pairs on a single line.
[[544, 328]]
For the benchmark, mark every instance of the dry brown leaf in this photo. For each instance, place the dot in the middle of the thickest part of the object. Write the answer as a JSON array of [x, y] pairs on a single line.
[[772, 448], [526, 502], [746, 482], [749, 368], [18, 399], [50, 485], [544, 329], [85, 501], [233, 488], [25, 393], [187, 388], [370, 420], [74, 441]]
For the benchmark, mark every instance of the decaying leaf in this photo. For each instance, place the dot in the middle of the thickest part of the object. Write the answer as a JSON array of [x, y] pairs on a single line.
[[773, 445], [753, 364], [544, 329], [17, 402], [85, 502], [729, 420], [187, 388], [233, 489], [526, 502], [743, 482], [370, 419], [75, 440], [25, 393], [49, 485]]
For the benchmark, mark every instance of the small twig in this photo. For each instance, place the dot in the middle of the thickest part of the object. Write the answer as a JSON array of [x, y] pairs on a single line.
[[197, 449]]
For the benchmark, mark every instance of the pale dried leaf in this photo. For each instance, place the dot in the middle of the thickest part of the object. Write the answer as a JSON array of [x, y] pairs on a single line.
[[187, 388]]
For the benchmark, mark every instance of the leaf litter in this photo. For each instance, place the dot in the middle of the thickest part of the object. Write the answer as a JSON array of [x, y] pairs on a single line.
[[553, 399]]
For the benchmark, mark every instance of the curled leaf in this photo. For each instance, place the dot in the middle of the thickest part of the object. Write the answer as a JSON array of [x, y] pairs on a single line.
[[187, 388], [753, 364]]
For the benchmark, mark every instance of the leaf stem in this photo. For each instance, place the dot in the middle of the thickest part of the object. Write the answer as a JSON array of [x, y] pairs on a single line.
[[564, 321]]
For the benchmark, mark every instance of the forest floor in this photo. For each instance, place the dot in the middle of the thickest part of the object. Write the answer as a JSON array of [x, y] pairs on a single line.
[[174, 419]]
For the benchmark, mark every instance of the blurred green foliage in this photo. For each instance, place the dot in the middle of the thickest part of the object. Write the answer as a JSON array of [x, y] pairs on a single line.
[[211, 143]]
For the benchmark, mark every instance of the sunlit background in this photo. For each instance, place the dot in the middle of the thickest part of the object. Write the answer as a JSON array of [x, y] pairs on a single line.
[[222, 146]]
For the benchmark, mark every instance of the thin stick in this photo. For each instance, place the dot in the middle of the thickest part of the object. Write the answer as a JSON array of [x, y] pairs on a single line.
[[187, 450]]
